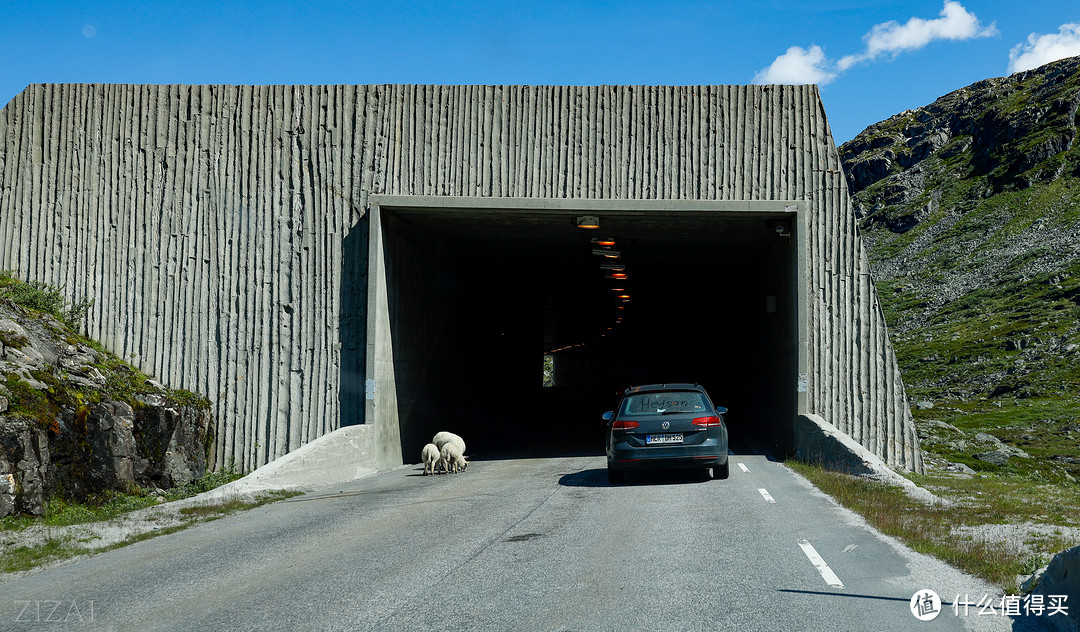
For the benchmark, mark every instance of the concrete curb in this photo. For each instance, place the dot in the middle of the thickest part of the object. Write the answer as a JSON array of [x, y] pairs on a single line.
[[344, 455], [821, 443]]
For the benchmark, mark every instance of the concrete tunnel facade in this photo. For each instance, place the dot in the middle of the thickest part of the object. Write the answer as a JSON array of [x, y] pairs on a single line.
[[402, 258]]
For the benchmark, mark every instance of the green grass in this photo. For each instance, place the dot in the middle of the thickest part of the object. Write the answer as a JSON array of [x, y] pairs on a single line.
[[22, 558], [210, 481], [60, 512], [43, 297], [180, 397], [13, 340], [107, 505], [935, 529], [1048, 429], [964, 342], [214, 511]]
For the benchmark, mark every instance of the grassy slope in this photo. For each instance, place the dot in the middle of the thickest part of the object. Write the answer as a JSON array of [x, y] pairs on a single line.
[[994, 356]]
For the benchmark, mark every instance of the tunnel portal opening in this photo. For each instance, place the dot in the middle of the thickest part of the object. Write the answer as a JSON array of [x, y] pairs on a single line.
[[476, 297]]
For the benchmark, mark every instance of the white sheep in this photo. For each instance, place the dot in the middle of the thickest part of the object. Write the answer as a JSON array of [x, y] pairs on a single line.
[[444, 437], [432, 457], [452, 458]]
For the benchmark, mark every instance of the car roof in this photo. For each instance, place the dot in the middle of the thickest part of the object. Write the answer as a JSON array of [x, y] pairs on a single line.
[[670, 386]]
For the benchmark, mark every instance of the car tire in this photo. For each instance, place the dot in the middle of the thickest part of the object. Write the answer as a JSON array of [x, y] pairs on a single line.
[[616, 476], [720, 471]]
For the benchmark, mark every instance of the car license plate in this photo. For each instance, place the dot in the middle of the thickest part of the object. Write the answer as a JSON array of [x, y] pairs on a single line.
[[663, 438]]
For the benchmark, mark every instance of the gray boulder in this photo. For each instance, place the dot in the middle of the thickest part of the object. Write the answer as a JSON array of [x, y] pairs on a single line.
[[173, 443], [100, 447], [960, 468], [1061, 577], [25, 465], [997, 457]]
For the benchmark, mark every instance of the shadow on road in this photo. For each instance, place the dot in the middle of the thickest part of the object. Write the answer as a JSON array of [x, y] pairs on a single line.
[[840, 594], [586, 478], [598, 478]]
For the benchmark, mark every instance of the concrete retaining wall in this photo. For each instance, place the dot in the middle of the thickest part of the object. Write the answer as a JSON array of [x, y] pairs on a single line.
[[208, 222], [821, 443]]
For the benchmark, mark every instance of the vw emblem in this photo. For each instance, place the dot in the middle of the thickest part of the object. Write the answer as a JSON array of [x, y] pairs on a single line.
[[665, 425]]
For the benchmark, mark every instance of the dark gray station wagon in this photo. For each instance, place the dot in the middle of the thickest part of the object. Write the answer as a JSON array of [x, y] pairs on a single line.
[[673, 426]]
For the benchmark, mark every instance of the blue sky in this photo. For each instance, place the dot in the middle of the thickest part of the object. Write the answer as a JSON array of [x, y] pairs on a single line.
[[872, 58]]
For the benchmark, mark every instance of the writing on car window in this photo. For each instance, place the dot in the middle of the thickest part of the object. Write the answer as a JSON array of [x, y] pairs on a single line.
[[660, 403]]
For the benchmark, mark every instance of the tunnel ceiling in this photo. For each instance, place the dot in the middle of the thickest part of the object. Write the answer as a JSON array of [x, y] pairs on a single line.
[[577, 298], [552, 237]]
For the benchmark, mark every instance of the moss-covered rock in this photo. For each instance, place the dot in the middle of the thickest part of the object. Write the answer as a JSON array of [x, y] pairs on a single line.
[[78, 422]]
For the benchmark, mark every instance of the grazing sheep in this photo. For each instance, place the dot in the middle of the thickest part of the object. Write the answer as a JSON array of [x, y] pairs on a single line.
[[444, 437], [432, 457], [452, 458]]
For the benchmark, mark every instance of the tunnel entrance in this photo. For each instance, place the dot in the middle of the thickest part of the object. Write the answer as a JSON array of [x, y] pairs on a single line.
[[471, 295]]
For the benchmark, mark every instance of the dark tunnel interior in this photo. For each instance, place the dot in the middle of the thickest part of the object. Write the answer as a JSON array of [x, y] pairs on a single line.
[[477, 298]]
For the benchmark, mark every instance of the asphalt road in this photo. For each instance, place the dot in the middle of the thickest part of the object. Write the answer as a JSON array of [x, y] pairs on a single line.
[[525, 544]]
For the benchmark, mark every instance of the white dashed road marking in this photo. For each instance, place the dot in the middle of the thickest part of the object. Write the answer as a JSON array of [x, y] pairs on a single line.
[[744, 468], [765, 494], [826, 573]]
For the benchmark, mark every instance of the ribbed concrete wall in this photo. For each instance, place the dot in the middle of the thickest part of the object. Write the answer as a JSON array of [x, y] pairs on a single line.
[[207, 222]]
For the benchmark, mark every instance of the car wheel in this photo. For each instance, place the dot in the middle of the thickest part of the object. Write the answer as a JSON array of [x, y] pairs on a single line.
[[616, 476], [720, 471]]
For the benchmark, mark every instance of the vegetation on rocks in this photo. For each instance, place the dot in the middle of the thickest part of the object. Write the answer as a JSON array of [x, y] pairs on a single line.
[[123, 381], [970, 209], [77, 423], [42, 297]]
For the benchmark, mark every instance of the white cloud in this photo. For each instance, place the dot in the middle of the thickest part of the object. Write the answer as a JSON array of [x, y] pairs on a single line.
[[800, 65], [1043, 49], [797, 66], [955, 23]]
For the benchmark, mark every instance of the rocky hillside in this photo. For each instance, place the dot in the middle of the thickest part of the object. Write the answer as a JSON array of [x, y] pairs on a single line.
[[76, 421], [970, 207]]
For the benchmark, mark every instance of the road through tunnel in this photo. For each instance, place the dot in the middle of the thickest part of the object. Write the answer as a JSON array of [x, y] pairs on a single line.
[[476, 298]]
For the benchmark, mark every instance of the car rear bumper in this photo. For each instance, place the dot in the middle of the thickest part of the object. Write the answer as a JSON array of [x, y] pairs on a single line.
[[679, 457]]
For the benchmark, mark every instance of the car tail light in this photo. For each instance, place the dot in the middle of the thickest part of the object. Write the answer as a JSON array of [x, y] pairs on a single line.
[[705, 422], [624, 425]]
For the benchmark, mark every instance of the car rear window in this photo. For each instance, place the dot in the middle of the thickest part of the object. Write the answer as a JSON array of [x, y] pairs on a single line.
[[660, 403]]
